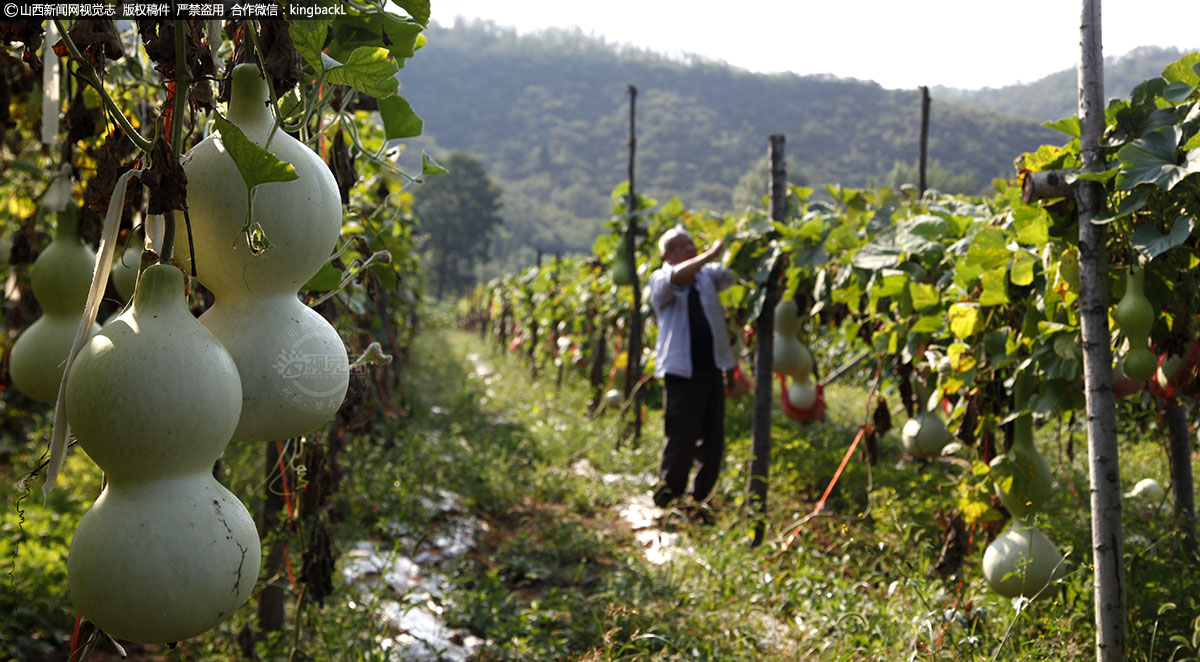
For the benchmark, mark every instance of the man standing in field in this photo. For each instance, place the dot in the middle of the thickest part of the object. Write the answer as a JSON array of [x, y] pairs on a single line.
[[692, 355]]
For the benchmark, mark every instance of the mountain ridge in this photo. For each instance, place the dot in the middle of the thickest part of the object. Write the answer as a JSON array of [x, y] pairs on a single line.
[[548, 115]]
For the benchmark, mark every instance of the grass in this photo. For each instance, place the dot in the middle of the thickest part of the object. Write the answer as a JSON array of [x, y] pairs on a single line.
[[558, 575]]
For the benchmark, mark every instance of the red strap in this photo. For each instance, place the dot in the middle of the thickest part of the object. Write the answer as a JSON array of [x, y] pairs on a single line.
[[841, 467], [75, 637]]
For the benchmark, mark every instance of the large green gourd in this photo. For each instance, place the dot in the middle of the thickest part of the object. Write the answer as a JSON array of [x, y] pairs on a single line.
[[166, 552], [1135, 317], [293, 365], [1021, 561], [61, 277]]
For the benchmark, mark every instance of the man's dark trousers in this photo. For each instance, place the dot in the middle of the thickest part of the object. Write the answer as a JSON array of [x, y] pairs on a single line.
[[694, 416]]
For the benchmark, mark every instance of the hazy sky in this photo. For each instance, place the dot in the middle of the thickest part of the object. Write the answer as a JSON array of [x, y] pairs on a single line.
[[897, 43]]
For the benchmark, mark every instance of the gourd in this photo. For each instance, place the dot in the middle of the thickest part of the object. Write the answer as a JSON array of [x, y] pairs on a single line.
[[61, 277], [293, 364], [1135, 317], [925, 435], [622, 270], [1172, 372], [791, 357], [787, 317], [1146, 488], [125, 268], [165, 552], [1021, 476], [1021, 561], [802, 394]]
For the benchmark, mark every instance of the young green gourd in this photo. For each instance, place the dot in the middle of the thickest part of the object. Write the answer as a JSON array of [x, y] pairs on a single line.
[[293, 364], [1021, 561], [622, 270], [1135, 317], [126, 266], [60, 277], [166, 552], [1021, 476]]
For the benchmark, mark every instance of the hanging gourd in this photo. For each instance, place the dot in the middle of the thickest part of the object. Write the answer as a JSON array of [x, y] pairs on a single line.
[[60, 277], [925, 435], [166, 552], [787, 317], [293, 364], [1021, 561], [622, 270], [1135, 317], [1021, 475], [126, 266]]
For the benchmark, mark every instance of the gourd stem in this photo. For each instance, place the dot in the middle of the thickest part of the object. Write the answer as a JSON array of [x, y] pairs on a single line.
[[89, 74]]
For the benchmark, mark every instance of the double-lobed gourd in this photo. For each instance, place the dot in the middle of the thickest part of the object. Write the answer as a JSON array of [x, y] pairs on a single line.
[[61, 277], [293, 365], [790, 356], [166, 552], [1135, 317]]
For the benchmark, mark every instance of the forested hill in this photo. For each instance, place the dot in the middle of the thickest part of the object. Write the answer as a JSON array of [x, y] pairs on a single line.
[[1056, 96], [548, 116]]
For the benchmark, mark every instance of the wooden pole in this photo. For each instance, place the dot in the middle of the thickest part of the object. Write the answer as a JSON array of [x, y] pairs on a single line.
[[924, 138], [1104, 470], [764, 327], [1180, 453], [633, 370]]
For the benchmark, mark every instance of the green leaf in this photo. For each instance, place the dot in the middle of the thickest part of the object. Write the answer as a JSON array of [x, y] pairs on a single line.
[[1184, 70], [1129, 204], [256, 165], [1068, 125], [308, 37], [928, 324], [370, 70], [429, 166], [1151, 160], [1151, 243], [889, 283], [399, 120], [920, 234], [418, 9], [965, 320], [995, 287], [1178, 92], [328, 278], [1032, 225], [923, 295], [879, 254], [1022, 268]]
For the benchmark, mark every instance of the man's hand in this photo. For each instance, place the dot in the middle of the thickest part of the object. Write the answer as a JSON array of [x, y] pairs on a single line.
[[716, 249]]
